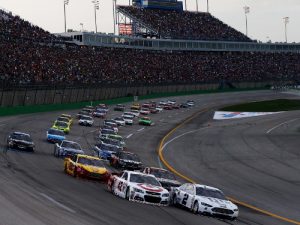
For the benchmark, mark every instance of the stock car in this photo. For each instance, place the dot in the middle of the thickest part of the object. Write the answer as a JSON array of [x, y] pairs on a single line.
[[20, 141], [119, 107], [190, 102], [166, 178], [145, 121], [119, 121], [55, 136], [64, 119], [128, 119], [205, 200], [63, 126], [112, 124], [86, 121], [103, 107], [67, 148], [116, 137], [104, 132], [86, 166], [112, 142], [104, 151], [68, 116], [100, 113], [82, 113], [135, 106], [153, 110], [135, 112], [140, 187], [126, 160], [145, 111]]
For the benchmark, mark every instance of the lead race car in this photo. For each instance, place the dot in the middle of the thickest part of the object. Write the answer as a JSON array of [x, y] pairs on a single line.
[[140, 187], [205, 200]]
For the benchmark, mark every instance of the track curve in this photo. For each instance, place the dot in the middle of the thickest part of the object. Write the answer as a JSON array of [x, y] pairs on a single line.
[[34, 189]]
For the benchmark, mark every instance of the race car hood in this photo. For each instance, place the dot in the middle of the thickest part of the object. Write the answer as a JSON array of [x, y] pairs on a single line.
[[93, 169], [215, 202], [149, 187]]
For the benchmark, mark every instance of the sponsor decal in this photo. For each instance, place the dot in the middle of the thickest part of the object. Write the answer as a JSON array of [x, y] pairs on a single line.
[[223, 115], [148, 187]]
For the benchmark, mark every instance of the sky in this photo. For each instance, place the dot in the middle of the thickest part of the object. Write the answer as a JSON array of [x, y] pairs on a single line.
[[265, 20]]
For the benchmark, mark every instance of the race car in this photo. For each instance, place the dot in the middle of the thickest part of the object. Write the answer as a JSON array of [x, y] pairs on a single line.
[[204, 200], [153, 110], [86, 121], [145, 111], [86, 166], [119, 121], [166, 178], [105, 131], [65, 127], [145, 121], [126, 160], [128, 119], [82, 113], [119, 107], [67, 148], [64, 119], [159, 108], [100, 113], [104, 107], [184, 105], [116, 137], [55, 136], [112, 124], [135, 106], [112, 142], [20, 141], [135, 112], [104, 151], [68, 116], [136, 186], [190, 102], [168, 106]]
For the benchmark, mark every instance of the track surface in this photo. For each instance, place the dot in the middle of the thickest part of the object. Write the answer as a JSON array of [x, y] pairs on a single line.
[[237, 156]]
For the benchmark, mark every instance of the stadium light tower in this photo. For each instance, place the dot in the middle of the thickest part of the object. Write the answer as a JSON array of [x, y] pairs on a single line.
[[247, 10], [96, 7], [66, 2], [81, 24], [207, 5], [197, 9], [286, 20], [114, 14]]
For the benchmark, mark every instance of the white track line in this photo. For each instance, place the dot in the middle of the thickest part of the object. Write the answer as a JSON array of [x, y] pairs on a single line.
[[279, 125], [129, 135], [179, 136], [57, 203], [141, 129]]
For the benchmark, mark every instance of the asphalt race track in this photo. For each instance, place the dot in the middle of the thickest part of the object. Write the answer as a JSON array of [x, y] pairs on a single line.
[[254, 160]]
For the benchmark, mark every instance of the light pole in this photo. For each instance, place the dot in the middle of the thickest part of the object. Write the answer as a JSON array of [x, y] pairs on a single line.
[[81, 24], [185, 5], [207, 5], [66, 2], [114, 14], [247, 10], [96, 7], [286, 20], [197, 5]]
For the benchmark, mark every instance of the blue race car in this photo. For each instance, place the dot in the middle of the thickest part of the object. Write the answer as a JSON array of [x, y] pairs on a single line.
[[105, 151], [55, 136]]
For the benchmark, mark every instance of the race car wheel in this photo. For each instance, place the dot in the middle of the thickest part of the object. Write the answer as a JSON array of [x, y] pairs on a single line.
[[195, 208], [127, 193]]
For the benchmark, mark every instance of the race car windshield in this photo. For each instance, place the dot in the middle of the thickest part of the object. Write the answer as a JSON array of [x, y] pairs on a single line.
[[90, 162], [132, 157], [63, 119], [163, 174], [142, 179], [21, 137], [210, 193], [56, 132], [61, 124], [71, 145]]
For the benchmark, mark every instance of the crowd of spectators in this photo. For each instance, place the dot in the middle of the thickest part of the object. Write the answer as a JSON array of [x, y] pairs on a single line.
[[24, 60], [184, 25]]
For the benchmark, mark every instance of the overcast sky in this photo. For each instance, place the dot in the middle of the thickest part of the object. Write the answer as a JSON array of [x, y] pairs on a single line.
[[265, 20]]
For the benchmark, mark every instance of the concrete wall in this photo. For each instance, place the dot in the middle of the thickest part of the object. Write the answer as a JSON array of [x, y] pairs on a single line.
[[38, 96]]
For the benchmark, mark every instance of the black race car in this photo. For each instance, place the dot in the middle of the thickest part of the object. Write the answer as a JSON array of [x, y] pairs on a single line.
[[119, 107], [126, 161], [20, 141]]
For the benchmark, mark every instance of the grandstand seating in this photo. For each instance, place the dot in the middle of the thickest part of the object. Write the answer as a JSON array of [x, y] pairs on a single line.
[[184, 25]]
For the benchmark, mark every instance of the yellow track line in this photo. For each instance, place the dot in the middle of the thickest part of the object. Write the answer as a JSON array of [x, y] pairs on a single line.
[[161, 157]]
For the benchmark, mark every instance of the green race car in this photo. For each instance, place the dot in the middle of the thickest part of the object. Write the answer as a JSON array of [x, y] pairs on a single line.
[[146, 121], [59, 125]]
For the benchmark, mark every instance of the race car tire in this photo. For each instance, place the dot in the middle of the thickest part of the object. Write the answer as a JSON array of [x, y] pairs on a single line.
[[127, 193], [195, 208]]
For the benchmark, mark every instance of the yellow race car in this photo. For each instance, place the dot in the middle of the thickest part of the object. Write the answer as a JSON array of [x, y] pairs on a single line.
[[68, 116], [86, 166], [59, 125], [135, 106]]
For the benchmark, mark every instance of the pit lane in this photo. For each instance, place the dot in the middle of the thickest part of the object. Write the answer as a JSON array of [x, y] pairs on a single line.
[[34, 189]]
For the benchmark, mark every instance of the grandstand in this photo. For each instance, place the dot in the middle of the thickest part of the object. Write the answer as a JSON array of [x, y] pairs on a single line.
[[31, 56]]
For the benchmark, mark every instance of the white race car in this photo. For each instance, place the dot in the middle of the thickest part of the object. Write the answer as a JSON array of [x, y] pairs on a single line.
[[119, 121], [140, 187], [128, 119], [145, 111], [86, 121], [205, 200], [135, 112]]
